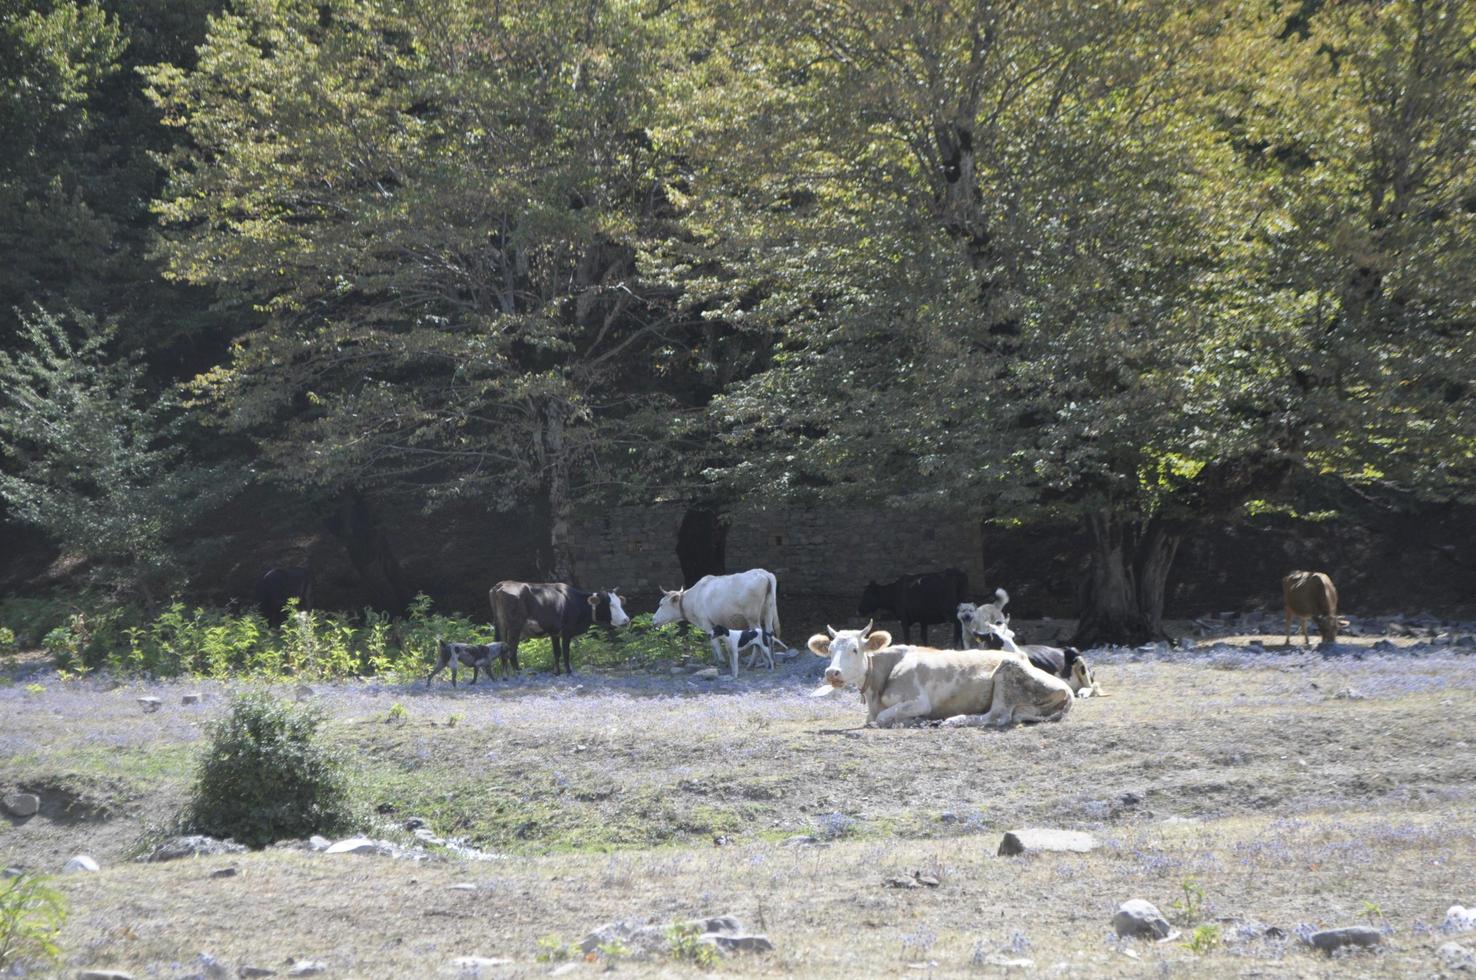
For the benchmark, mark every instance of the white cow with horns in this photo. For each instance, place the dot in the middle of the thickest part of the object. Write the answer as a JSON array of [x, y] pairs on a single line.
[[985, 688], [743, 600]]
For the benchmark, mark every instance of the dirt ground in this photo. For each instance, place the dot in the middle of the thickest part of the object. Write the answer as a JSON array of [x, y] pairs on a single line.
[[1257, 794]]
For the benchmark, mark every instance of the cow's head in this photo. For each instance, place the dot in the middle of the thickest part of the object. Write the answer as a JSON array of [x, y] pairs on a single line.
[[669, 609], [608, 608], [871, 600], [1082, 678], [847, 650]]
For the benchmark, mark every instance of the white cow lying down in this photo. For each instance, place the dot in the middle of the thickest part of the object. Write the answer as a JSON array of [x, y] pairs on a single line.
[[991, 688]]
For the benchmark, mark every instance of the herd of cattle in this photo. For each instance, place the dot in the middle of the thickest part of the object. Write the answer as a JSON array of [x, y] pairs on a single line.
[[987, 680]]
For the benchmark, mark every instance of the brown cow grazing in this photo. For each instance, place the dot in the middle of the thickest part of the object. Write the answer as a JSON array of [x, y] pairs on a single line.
[[1311, 595]]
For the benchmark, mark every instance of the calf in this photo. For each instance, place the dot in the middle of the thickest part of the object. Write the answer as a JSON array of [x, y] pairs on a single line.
[[1311, 595], [477, 656], [1066, 663], [758, 640]]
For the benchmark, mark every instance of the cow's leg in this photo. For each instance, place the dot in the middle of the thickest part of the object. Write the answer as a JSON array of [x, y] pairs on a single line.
[[1306, 640], [1023, 694], [1288, 627], [918, 707], [568, 645]]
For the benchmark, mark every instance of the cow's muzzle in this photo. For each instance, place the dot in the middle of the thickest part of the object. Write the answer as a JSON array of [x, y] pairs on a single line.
[[833, 678]]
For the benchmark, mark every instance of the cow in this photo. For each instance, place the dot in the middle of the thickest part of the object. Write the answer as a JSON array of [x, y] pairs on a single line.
[[985, 688], [974, 621], [1066, 663], [477, 656], [1311, 595], [552, 609], [925, 599], [276, 586], [756, 639], [743, 600]]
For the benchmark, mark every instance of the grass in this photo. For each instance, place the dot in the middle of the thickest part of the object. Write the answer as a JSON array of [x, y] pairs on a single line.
[[603, 795]]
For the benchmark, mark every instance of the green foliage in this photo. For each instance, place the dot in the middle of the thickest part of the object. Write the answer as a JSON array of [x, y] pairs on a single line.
[[8, 643], [398, 714], [32, 913], [266, 776], [1188, 908], [552, 949], [97, 461], [1203, 939], [684, 943]]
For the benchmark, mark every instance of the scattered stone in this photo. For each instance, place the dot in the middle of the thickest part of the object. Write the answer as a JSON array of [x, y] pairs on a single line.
[[740, 943], [1177, 820], [1456, 957], [1141, 919], [316, 843], [723, 932], [415, 823], [475, 964], [229, 872], [1274, 932], [150, 705], [1458, 918], [211, 967], [362, 845], [678, 670], [1348, 694], [560, 971], [81, 862], [22, 804], [463, 886], [1329, 940], [104, 975], [192, 845], [916, 880], [245, 971], [801, 840], [304, 692], [706, 674], [1035, 840], [1009, 962], [189, 699], [901, 882], [12, 872], [306, 968]]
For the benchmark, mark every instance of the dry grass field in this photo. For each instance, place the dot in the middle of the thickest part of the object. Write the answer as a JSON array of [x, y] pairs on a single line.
[[1257, 795]]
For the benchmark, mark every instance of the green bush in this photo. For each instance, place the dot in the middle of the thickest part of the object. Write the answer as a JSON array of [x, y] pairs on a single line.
[[31, 914], [266, 776]]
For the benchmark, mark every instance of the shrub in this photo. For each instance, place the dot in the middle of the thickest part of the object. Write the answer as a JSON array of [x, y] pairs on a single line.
[[31, 914], [266, 776]]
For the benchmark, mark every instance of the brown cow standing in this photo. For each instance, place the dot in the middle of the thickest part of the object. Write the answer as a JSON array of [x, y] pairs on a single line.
[[1311, 595]]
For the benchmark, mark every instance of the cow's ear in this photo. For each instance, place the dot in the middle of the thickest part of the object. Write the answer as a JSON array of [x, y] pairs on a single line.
[[877, 640], [594, 600], [820, 645]]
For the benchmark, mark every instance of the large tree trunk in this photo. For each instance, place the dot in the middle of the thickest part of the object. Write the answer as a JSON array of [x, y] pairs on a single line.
[[560, 498], [1122, 602], [370, 553], [702, 543]]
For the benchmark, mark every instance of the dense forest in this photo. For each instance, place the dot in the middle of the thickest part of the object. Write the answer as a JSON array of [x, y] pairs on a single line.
[[1136, 265]]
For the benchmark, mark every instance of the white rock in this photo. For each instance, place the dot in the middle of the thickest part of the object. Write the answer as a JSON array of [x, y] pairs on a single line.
[[81, 862], [706, 674], [1036, 839], [316, 843], [361, 845], [150, 704], [463, 886], [1140, 918], [560, 971], [23, 804], [1458, 918], [1456, 957], [306, 968], [476, 964], [1009, 962]]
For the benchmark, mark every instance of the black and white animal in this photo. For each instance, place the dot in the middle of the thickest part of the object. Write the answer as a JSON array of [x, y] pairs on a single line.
[[1066, 663], [278, 585], [553, 609], [974, 621], [757, 640], [924, 599], [477, 656]]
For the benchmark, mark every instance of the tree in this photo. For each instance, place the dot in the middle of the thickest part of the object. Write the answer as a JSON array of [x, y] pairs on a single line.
[[438, 207], [97, 462]]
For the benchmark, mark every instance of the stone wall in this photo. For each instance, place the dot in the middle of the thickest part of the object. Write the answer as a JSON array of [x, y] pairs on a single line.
[[820, 555]]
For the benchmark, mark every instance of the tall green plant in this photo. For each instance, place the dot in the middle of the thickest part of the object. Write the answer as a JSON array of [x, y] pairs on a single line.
[[32, 913]]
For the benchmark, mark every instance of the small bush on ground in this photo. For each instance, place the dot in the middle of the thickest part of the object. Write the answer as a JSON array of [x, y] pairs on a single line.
[[266, 776], [31, 915]]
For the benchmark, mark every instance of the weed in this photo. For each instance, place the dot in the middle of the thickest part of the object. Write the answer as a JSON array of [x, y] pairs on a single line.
[[1203, 939], [1373, 912], [1189, 907], [398, 714], [31, 915], [7, 641], [455, 718], [35, 689], [684, 942], [266, 776], [614, 950], [552, 949]]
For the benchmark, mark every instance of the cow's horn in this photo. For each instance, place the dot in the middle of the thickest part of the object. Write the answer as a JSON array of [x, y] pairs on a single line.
[[831, 630], [867, 631]]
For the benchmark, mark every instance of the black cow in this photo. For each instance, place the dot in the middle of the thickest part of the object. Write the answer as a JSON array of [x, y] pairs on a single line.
[[931, 597], [552, 609], [276, 586]]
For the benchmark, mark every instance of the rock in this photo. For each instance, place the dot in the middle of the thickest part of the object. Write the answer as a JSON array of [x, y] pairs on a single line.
[[706, 674], [1009, 962], [104, 975], [189, 699], [416, 823], [230, 872], [304, 692], [246, 971], [361, 845], [22, 804], [476, 964], [316, 843], [12, 872], [1141, 919], [211, 967], [192, 845], [81, 862], [1035, 840], [1458, 918], [900, 882], [916, 880], [306, 968], [564, 970], [740, 943], [678, 670], [1329, 940], [462, 886], [150, 705], [721, 931], [1456, 957], [801, 840]]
